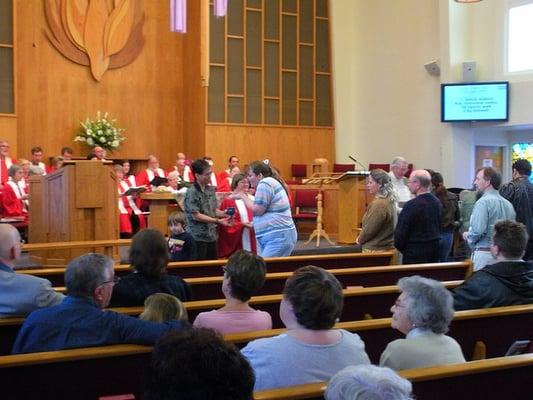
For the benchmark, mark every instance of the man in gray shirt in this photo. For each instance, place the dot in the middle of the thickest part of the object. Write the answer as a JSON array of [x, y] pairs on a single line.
[[490, 208], [20, 294]]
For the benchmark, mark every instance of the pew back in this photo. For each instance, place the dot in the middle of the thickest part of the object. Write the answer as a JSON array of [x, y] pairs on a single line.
[[214, 267], [494, 379]]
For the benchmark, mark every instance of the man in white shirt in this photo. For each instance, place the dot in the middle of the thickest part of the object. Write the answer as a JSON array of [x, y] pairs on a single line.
[[398, 168]]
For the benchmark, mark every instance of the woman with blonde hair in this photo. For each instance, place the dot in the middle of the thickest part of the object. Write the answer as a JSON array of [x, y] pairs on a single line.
[[380, 218], [162, 307]]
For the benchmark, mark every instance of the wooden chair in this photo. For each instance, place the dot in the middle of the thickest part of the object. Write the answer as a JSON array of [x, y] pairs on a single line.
[[298, 173], [305, 206], [384, 167]]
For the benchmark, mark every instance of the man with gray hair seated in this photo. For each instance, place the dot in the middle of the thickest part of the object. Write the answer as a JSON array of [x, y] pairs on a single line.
[[20, 294], [368, 382], [79, 320]]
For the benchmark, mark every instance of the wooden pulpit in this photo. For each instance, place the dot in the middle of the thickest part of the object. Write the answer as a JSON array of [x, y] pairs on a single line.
[[346, 201], [78, 202]]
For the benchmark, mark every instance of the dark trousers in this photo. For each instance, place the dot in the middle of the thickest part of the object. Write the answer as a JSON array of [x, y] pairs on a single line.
[[529, 250], [419, 253], [206, 250]]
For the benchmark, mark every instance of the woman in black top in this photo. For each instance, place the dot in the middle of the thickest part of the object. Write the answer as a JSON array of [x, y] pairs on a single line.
[[149, 257]]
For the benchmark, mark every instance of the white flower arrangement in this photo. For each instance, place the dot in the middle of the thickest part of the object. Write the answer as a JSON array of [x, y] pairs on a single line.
[[101, 132]]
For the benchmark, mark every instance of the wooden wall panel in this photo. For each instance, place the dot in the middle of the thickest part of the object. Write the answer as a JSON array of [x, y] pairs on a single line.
[[8, 131], [147, 97], [282, 145]]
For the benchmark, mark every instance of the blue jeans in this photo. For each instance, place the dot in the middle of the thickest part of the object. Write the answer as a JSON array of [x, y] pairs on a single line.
[[445, 245], [277, 244]]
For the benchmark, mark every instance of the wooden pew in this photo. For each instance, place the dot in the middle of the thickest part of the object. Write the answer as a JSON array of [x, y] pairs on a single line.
[[196, 269], [493, 379], [206, 288], [99, 371], [468, 328], [358, 303], [106, 247]]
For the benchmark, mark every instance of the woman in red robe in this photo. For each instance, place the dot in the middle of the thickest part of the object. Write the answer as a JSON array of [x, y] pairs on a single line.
[[240, 235], [13, 197]]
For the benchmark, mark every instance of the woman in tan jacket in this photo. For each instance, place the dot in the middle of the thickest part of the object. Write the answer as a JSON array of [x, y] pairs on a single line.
[[380, 217]]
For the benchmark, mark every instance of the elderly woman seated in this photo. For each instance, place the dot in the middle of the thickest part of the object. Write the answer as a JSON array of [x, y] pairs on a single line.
[[423, 313], [149, 257], [368, 382], [311, 350], [244, 274]]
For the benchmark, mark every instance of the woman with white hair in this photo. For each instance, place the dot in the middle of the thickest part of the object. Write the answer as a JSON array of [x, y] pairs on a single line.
[[422, 312], [368, 382], [380, 217]]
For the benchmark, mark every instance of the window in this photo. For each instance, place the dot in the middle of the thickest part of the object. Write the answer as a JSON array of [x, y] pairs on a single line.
[[520, 38], [270, 64]]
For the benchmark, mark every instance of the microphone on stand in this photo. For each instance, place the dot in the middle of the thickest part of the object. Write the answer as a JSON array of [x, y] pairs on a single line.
[[357, 162]]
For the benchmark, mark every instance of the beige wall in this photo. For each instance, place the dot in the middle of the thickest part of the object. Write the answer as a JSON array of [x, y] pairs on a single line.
[[386, 103]]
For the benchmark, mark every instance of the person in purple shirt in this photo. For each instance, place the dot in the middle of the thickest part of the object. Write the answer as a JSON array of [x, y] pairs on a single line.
[[79, 320]]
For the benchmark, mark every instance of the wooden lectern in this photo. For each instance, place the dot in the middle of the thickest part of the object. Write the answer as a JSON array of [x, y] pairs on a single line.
[[351, 200], [78, 202]]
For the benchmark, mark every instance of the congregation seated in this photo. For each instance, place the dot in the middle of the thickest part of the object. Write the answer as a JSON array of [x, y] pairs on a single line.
[[13, 197], [422, 312], [181, 244], [310, 350], [380, 217], [80, 321], [163, 307], [368, 382], [197, 364], [507, 282], [20, 294], [148, 257], [244, 274], [240, 233]]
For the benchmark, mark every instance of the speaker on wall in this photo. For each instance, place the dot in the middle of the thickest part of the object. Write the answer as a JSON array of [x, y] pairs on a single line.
[[433, 68], [469, 71]]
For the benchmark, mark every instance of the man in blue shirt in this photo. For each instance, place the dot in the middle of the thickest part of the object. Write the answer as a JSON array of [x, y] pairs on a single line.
[[490, 208], [79, 320]]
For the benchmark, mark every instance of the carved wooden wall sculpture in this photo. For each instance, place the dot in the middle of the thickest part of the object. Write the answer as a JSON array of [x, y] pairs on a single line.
[[102, 34]]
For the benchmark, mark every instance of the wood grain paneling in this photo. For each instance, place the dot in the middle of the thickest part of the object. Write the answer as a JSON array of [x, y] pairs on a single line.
[[146, 97], [282, 145], [8, 131]]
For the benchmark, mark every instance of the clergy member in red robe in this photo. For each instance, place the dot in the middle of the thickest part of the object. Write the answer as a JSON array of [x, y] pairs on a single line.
[[13, 197], [5, 161], [183, 169], [240, 235], [146, 176], [37, 159], [131, 218]]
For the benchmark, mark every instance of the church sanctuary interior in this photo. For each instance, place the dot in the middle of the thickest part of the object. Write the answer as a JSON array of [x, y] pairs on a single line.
[[321, 92]]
